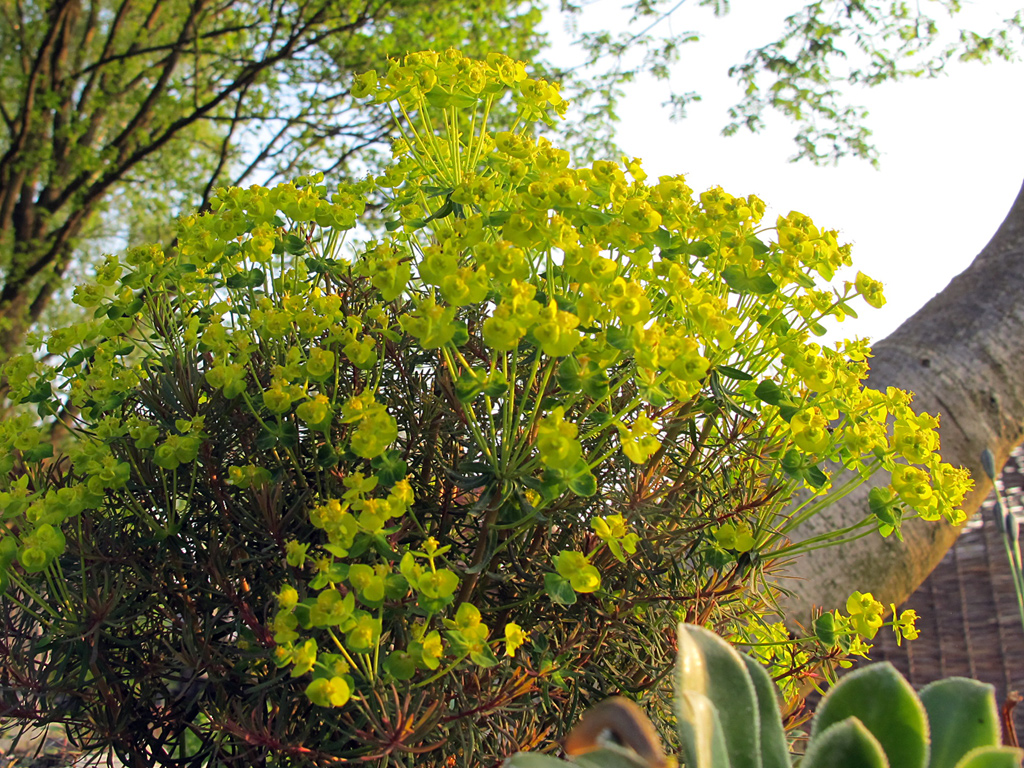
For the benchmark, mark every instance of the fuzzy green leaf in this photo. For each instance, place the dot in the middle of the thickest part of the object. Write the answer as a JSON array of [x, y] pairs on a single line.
[[992, 757], [701, 736], [846, 744], [962, 714], [880, 698], [534, 760], [774, 750], [611, 755], [710, 667]]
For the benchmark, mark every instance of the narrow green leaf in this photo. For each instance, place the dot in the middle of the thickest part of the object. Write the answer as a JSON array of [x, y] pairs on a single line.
[[734, 373], [846, 744], [962, 715], [884, 702]]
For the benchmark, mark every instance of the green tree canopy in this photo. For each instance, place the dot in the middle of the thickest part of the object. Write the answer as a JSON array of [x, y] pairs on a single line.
[[127, 107]]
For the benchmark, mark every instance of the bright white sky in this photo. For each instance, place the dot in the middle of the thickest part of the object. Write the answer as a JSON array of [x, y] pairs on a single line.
[[952, 151]]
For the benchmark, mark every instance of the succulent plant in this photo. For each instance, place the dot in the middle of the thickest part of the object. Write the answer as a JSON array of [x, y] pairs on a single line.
[[728, 717]]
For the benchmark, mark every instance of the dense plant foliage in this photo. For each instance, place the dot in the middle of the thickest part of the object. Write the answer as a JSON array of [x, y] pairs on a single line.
[[431, 493]]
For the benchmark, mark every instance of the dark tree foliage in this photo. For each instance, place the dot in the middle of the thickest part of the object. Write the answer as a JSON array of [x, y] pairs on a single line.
[[137, 109]]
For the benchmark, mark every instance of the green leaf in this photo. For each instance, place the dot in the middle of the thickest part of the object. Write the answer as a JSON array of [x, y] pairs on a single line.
[[701, 737], [568, 375], [759, 283], [559, 589], [40, 391], [815, 477], [846, 744], [595, 382], [266, 440], [825, 629], [992, 757], [787, 412], [390, 467], [711, 668], [771, 393], [461, 335], [594, 217], [294, 244], [583, 484], [133, 307], [620, 338], [774, 748], [80, 356], [400, 665], [701, 249], [880, 698], [497, 219], [483, 658], [445, 210], [611, 755], [534, 760], [760, 249], [45, 451], [468, 385], [734, 373], [249, 279], [962, 715], [793, 463]]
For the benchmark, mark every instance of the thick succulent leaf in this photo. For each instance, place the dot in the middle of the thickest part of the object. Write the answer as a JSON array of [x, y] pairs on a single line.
[[962, 716], [774, 750], [887, 706], [992, 757], [701, 738], [610, 756], [709, 666], [846, 744], [534, 760]]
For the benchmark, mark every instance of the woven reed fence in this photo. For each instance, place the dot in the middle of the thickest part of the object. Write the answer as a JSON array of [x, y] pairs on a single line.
[[969, 621]]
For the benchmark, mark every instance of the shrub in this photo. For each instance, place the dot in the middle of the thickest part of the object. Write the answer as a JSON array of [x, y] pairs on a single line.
[[429, 493]]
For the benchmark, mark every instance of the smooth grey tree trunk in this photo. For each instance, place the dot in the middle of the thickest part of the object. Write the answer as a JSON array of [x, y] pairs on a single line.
[[963, 356]]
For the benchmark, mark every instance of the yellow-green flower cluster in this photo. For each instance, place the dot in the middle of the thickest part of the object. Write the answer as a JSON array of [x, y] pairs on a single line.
[[596, 266]]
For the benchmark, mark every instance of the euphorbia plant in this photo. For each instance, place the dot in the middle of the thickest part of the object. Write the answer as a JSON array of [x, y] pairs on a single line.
[[449, 481]]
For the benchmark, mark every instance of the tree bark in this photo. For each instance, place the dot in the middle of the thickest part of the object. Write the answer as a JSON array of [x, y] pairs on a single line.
[[963, 356]]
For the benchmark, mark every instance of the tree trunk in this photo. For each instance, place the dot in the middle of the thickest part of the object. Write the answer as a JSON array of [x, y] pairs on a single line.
[[963, 356]]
